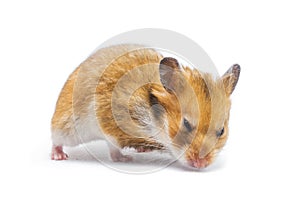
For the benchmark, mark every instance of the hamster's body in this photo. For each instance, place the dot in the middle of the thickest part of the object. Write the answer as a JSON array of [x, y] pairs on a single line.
[[125, 95]]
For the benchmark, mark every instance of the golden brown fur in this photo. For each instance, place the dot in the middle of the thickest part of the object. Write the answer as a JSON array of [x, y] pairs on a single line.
[[133, 97]]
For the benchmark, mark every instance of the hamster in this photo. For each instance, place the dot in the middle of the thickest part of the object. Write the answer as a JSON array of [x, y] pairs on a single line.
[[131, 96]]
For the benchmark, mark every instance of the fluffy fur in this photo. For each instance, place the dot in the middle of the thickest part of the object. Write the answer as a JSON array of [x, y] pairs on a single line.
[[131, 96]]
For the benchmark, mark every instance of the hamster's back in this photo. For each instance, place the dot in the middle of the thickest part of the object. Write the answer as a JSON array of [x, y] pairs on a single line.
[[75, 108]]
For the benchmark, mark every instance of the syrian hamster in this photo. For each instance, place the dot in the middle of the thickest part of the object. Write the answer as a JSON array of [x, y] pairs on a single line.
[[132, 96]]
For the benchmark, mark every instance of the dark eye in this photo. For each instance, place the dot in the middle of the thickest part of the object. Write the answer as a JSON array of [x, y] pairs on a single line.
[[187, 125], [220, 133]]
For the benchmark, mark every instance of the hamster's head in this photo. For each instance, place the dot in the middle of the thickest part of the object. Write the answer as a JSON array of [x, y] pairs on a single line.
[[196, 111]]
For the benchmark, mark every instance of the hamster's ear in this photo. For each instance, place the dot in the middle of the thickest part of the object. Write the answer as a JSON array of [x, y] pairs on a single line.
[[230, 78], [168, 68]]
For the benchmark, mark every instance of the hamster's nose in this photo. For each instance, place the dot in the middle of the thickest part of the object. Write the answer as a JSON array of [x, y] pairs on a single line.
[[199, 163]]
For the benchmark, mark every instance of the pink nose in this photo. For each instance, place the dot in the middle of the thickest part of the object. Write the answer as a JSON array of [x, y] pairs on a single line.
[[199, 163]]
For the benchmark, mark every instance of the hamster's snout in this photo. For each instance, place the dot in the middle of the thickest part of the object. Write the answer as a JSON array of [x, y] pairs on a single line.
[[199, 163]]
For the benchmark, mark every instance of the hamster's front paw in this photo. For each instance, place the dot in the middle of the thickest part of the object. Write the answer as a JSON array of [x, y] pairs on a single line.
[[143, 145], [143, 149]]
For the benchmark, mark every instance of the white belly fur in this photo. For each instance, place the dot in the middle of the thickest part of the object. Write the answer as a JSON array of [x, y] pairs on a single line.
[[81, 130]]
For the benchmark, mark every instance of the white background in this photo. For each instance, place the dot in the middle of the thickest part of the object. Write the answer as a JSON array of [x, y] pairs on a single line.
[[42, 42]]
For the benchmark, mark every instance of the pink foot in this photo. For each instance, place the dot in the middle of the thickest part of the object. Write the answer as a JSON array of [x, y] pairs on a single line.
[[142, 149], [58, 153], [117, 156]]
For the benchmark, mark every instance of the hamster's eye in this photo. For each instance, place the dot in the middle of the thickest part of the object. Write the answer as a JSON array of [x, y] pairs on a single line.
[[220, 133], [187, 125]]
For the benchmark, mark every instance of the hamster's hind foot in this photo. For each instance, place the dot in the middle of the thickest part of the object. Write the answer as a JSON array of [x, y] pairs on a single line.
[[58, 153], [117, 156]]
